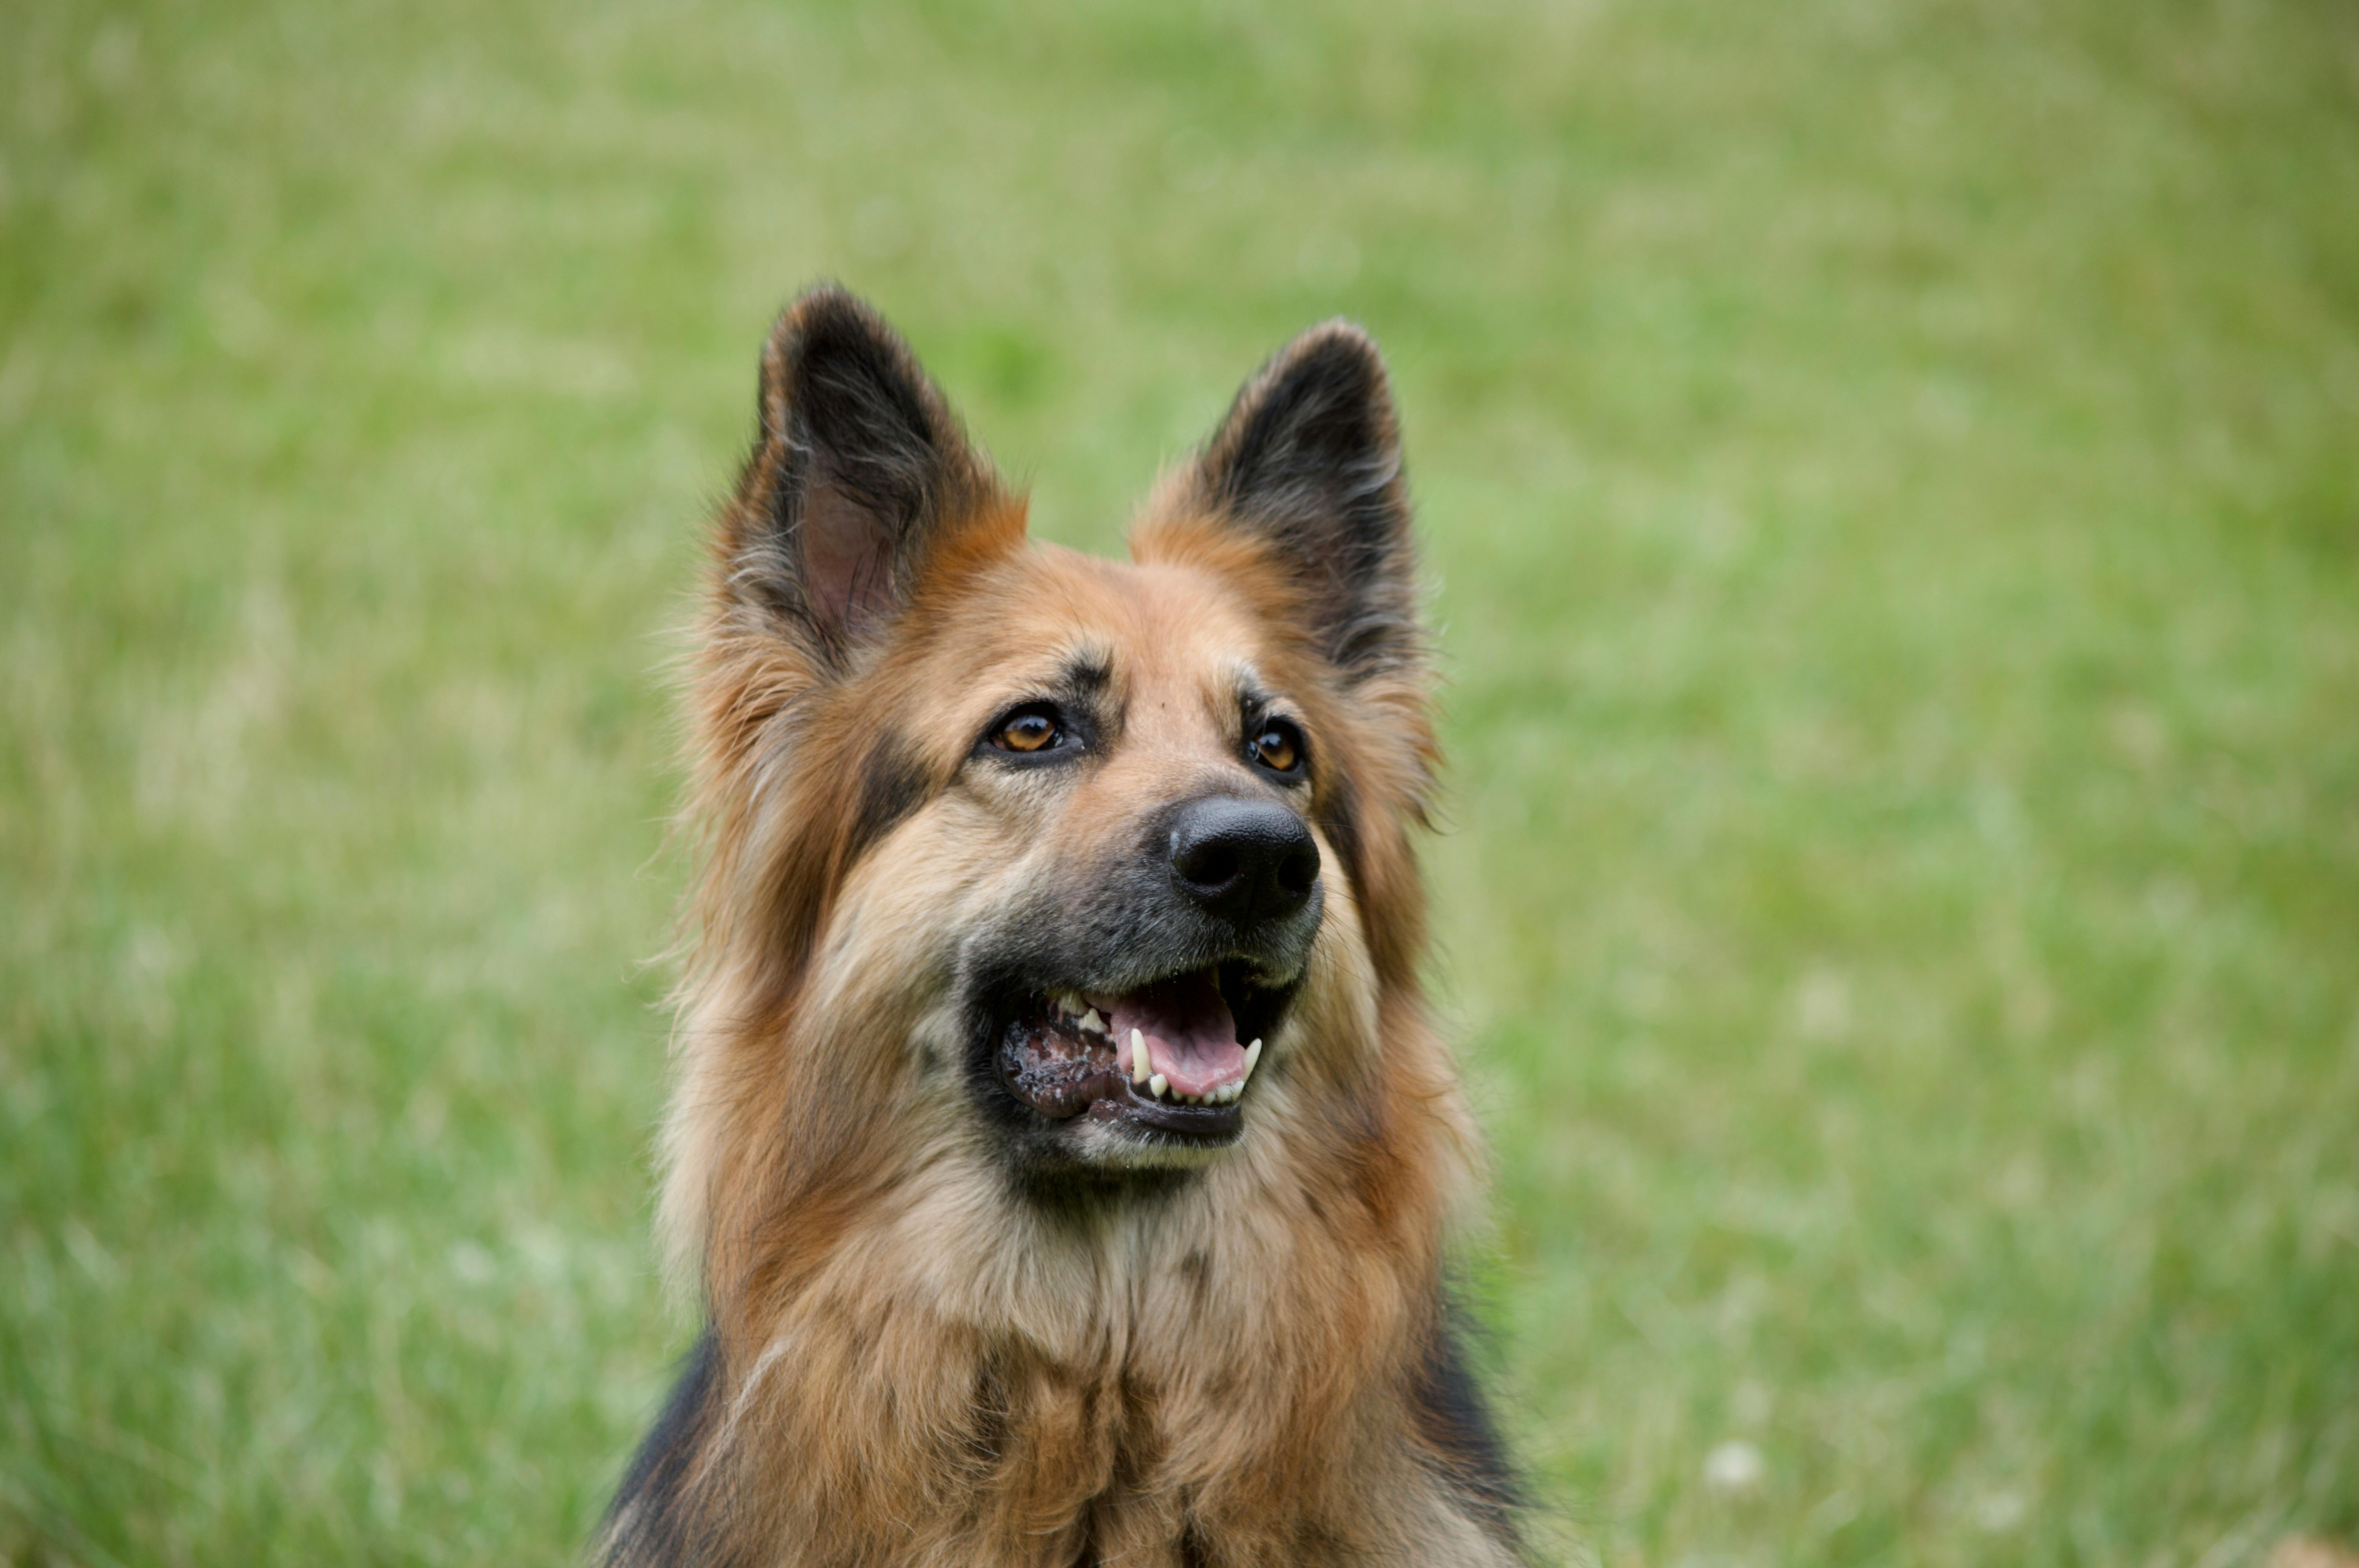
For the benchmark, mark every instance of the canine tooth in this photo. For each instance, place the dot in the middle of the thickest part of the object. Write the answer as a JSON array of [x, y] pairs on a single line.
[[1139, 1068], [1092, 1022], [1157, 1085], [1253, 1055]]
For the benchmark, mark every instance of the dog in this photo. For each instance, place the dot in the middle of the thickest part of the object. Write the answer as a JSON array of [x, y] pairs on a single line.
[[1060, 1145]]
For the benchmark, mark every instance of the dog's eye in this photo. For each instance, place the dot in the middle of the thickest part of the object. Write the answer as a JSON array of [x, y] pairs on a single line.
[[1278, 747], [1028, 729]]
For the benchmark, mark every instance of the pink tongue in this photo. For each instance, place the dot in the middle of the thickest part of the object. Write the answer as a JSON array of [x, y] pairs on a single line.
[[1191, 1039]]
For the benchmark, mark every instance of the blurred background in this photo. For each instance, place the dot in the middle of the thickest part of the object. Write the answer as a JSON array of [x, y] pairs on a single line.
[[1891, 474]]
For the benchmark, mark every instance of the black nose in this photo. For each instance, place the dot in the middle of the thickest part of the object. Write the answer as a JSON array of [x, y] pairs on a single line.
[[1244, 861]]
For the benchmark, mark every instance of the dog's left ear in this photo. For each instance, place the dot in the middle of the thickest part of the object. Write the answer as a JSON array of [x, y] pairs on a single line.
[[1308, 460]]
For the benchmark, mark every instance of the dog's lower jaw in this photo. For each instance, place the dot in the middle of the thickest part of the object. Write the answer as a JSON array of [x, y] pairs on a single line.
[[1111, 1147], [1099, 1152]]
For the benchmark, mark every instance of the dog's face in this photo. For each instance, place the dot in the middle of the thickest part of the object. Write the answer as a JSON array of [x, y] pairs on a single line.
[[1128, 871], [1079, 853]]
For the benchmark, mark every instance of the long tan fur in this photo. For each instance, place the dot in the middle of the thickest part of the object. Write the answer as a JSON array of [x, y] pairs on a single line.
[[912, 1359]]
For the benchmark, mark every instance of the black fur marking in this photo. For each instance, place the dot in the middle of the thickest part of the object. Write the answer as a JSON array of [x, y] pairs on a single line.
[[1456, 1422], [1338, 817], [893, 783], [1309, 456], [654, 1518], [1086, 674]]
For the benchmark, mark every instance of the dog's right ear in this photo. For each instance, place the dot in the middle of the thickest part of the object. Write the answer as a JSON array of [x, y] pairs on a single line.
[[858, 472], [1308, 462]]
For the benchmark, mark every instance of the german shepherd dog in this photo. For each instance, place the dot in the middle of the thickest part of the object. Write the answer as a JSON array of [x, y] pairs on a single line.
[[1060, 1145]]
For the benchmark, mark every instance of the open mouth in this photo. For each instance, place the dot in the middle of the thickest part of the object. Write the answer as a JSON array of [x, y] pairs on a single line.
[[1176, 1056]]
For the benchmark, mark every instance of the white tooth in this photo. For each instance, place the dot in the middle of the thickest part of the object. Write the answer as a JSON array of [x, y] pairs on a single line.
[[1157, 1085], [1092, 1022], [1139, 1067], [1230, 1092], [1253, 1055]]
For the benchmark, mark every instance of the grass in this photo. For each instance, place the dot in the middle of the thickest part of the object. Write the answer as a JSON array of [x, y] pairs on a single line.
[[1892, 478]]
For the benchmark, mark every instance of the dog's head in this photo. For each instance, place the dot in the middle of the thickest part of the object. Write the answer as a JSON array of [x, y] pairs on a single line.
[[1077, 860]]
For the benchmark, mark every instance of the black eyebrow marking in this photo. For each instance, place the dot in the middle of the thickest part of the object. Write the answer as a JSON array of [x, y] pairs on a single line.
[[892, 784], [1085, 673], [1256, 704]]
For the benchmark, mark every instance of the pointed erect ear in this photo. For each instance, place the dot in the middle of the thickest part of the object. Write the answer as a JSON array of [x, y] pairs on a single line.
[[1308, 459], [859, 470]]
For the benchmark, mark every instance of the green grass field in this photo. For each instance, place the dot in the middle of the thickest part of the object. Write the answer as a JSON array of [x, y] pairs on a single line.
[[1892, 477]]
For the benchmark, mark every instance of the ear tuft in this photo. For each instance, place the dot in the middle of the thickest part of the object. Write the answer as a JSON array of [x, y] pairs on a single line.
[[858, 470], [1308, 460]]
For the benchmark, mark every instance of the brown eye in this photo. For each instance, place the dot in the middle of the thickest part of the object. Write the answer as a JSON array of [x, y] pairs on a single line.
[[1031, 730], [1278, 747]]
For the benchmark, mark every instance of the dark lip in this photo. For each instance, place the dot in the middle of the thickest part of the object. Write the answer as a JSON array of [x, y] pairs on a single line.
[[1211, 1124]]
